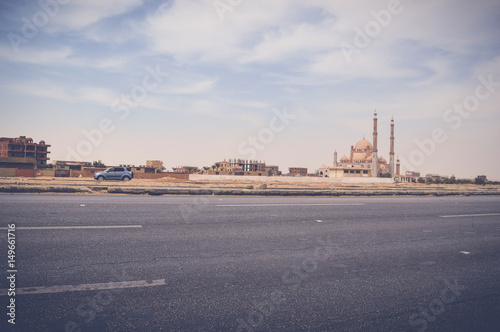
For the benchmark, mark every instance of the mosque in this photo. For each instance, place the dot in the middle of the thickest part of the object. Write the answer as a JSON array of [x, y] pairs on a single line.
[[363, 160]]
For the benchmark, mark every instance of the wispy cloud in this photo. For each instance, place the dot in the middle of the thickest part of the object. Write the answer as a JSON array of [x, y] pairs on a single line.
[[79, 14], [34, 55]]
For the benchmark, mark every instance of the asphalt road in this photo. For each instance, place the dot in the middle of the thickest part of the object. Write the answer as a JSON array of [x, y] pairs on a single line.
[[125, 263]]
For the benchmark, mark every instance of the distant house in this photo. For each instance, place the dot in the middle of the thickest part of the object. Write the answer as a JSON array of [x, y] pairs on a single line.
[[297, 171], [157, 164], [238, 167], [186, 170]]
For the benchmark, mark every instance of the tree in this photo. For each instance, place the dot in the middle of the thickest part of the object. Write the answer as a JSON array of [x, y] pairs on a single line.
[[386, 175], [98, 163], [206, 168], [421, 180]]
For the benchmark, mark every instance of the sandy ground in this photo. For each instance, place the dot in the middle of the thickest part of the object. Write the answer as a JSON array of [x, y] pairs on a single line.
[[177, 183]]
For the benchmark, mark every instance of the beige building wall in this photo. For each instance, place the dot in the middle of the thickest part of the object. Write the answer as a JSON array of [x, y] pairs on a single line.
[[341, 172], [158, 164]]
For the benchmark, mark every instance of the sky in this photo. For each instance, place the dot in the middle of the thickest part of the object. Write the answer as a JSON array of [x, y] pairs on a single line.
[[287, 82]]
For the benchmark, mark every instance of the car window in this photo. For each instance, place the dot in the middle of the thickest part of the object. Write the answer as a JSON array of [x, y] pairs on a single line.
[[111, 169], [119, 169]]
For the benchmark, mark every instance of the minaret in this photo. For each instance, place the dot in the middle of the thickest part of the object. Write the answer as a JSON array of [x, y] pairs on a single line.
[[398, 167], [335, 158], [391, 153], [375, 149]]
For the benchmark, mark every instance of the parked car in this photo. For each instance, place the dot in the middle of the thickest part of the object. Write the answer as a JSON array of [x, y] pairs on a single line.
[[115, 173]]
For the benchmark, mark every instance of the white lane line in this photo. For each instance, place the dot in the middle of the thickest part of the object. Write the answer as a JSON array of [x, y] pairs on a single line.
[[470, 215], [302, 204], [85, 287], [77, 227]]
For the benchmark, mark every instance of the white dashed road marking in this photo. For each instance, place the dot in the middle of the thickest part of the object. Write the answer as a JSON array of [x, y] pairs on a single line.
[[76, 227], [85, 287], [304, 204], [470, 215]]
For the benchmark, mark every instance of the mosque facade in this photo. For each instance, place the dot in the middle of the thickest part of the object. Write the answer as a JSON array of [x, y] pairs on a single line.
[[363, 159]]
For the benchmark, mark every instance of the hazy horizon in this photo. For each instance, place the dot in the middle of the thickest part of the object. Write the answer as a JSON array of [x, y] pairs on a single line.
[[286, 82]]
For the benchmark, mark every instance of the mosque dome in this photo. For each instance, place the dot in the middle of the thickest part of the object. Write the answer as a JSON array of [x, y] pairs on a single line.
[[382, 160], [344, 159], [358, 156], [370, 158], [363, 145]]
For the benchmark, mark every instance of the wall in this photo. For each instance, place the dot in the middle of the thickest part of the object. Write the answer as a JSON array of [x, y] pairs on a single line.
[[84, 174], [181, 176], [88, 173], [45, 172], [25, 172], [9, 172], [290, 179]]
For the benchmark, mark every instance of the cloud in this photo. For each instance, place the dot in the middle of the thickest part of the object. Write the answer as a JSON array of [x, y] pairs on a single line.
[[41, 88], [191, 29], [101, 96], [291, 42], [195, 88], [34, 55], [79, 14]]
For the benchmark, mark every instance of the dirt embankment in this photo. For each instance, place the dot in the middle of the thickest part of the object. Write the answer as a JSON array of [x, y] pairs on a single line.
[[172, 186]]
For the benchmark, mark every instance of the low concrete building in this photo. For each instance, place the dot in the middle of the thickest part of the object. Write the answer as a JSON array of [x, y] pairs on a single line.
[[17, 166], [156, 164], [141, 169], [272, 170], [297, 171], [71, 165], [186, 170], [408, 177], [237, 167], [344, 171]]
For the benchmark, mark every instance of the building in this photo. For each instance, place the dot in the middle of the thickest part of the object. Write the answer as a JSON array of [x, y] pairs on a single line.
[[24, 147], [482, 178], [71, 165], [17, 166], [407, 177], [272, 170], [141, 169], [297, 171], [186, 170], [363, 159], [157, 164], [238, 167]]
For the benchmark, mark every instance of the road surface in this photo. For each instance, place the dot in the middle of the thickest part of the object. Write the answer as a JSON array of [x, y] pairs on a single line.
[[142, 263]]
